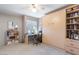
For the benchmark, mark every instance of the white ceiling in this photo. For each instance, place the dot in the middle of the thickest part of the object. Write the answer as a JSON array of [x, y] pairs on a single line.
[[24, 9]]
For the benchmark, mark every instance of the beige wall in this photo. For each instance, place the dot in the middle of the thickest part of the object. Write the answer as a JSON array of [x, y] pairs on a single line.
[[53, 26], [4, 19]]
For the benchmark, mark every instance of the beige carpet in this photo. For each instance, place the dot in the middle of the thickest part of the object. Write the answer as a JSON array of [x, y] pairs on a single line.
[[24, 49]]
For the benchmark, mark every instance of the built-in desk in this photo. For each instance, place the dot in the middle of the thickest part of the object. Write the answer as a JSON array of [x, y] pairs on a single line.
[[34, 38]]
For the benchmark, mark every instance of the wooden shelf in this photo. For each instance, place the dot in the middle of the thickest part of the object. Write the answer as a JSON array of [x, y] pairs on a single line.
[[73, 11], [72, 17], [72, 23], [73, 29]]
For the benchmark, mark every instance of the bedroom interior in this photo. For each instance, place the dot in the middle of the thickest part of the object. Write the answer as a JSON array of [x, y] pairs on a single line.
[[39, 29]]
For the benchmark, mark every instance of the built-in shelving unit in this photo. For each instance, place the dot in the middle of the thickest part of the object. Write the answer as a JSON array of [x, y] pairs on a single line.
[[72, 23], [72, 29]]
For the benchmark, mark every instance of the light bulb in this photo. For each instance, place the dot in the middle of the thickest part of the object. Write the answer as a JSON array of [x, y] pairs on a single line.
[[34, 9]]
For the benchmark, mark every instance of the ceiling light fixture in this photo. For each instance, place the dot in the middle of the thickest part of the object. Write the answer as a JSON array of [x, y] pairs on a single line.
[[34, 7]]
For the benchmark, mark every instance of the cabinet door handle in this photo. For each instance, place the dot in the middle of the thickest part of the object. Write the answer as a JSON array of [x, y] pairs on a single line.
[[72, 44]]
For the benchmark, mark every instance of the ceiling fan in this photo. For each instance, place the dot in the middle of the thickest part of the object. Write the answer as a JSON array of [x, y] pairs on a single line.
[[35, 7]]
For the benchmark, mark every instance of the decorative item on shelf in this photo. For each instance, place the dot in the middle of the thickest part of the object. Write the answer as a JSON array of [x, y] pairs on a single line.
[[70, 20], [76, 14], [68, 10], [77, 7], [75, 28], [77, 20], [71, 36], [74, 8], [76, 36], [74, 21], [71, 15]]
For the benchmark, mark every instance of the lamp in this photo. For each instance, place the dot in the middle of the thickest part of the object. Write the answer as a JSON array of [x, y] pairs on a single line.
[[16, 26]]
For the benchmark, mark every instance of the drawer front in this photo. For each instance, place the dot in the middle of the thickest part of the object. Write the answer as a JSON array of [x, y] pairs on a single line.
[[72, 46], [72, 50], [68, 49]]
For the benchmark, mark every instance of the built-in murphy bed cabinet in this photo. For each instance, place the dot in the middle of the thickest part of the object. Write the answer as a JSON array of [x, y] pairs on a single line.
[[72, 29]]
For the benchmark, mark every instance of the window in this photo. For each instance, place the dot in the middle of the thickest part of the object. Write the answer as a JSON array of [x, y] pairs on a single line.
[[32, 27]]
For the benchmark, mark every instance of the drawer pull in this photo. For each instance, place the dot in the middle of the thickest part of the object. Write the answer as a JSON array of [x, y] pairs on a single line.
[[71, 44], [71, 50]]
